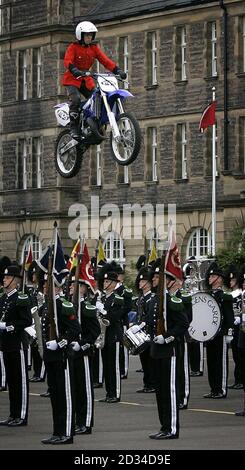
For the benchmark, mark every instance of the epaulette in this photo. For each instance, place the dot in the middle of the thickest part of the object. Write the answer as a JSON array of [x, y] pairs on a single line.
[[127, 292], [118, 300], [89, 310], [176, 303], [22, 299], [67, 308]]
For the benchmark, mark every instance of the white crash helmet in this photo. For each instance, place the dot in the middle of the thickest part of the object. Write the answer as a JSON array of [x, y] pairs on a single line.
[[85, 27]]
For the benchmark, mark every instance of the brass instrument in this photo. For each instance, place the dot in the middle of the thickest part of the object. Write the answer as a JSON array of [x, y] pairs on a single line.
[[104, 323], [242, 324]]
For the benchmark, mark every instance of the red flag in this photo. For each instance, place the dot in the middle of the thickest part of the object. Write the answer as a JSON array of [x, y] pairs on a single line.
[[86, 270], [208, 116], [29, 258], [172, 262], [74, 254]]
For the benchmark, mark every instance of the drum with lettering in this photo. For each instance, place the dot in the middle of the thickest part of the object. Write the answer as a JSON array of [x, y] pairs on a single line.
[[206, 320]]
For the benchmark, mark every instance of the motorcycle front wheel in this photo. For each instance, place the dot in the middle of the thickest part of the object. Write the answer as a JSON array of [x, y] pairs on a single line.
[[126, 150], [68, 162]]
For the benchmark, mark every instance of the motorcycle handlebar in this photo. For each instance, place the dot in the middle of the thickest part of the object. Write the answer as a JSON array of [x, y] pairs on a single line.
[[87, 73]]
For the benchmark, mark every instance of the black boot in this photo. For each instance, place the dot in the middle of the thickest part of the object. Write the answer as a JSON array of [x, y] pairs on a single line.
[[74, 130], [241, 413]]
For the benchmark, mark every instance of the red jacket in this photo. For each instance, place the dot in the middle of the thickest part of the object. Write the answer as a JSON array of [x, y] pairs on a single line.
[[83, 58]]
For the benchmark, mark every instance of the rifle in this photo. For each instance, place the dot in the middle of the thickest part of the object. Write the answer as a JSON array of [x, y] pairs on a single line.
[[75, 295], [50, 297], [161, 328]]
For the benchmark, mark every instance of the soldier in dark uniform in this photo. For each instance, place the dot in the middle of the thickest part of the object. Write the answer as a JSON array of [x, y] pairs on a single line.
[[59, 365], [33, 293], [143, 284], [164, 351], [217, 351], [232, 283], [4, 263], [15, 316], [113, 305], [83, 359], [241, 337]]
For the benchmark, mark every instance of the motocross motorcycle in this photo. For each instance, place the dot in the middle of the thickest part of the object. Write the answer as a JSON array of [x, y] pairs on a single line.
[[104, 109]]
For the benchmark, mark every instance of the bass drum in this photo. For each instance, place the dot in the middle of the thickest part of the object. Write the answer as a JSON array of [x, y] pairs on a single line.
[[206, 320]]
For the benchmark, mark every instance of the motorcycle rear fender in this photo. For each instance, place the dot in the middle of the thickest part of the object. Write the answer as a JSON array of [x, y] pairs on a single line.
[[62, 113]]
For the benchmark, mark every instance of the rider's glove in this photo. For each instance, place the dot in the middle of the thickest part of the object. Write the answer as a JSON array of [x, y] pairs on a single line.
[[75, 72], [120, 72]]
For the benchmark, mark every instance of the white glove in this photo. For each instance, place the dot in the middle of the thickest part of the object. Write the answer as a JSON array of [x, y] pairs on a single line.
[[2, 325], [237, 321], [100, 307], [33, 310], [159, 339], [52, 345], [75, 346], [62, 343], [135, 328], [85, 346], [10, 328], [228, 339]]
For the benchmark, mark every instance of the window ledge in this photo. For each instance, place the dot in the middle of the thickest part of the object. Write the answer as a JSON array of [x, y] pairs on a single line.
[[209, 178], [211, 77], [240, 74], [119, 183], [238, 175], [94, 186], [226, 172], [181, 82], [151, 87], [151, 183], [181, 180]]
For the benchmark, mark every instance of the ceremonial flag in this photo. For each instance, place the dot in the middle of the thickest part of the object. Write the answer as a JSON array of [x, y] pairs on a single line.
[[153, 254], [29, 258], [86, 271], [60, 270], [101, 259], [208, 116], [172, 261], [72, 262]]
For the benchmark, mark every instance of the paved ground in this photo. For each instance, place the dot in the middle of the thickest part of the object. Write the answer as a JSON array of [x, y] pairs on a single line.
[[206, 425]]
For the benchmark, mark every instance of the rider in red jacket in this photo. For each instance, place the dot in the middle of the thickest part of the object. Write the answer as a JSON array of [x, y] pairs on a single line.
[[80, 57]]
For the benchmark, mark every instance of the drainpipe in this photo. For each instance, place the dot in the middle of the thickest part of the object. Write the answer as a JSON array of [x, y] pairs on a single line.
[[225, 52]]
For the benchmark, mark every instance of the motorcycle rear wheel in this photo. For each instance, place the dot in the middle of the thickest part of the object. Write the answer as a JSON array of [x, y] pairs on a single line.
[[127, 150], [68, 164]]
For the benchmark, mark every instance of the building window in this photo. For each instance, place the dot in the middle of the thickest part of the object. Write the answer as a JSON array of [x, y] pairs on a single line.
[[98, 166], [36, 73], [183, 54], [199, 244], [22, 90], [243, 42], [213, 49], [242, 145], [22, 164], [151, 155], [36, 247], [152, 58], [124, 57], [114, 248], [181, 153], [36, 162], [122, 174]]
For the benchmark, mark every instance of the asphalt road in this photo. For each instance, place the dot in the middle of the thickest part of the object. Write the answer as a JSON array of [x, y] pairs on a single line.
[[205, 425]]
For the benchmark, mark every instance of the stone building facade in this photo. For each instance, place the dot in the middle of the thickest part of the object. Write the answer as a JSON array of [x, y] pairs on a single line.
[[175, 53]]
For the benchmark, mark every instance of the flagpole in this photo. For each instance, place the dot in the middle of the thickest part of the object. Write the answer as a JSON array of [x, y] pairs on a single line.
[[213, 184]]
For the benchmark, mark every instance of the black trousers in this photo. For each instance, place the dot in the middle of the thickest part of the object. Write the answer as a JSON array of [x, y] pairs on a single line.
[[111, 366], [196, 356], [74, 95], [217, 364], [166, 394], [84, 392], [236, 356], [60, 383], [3, 382], [18, 383]]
